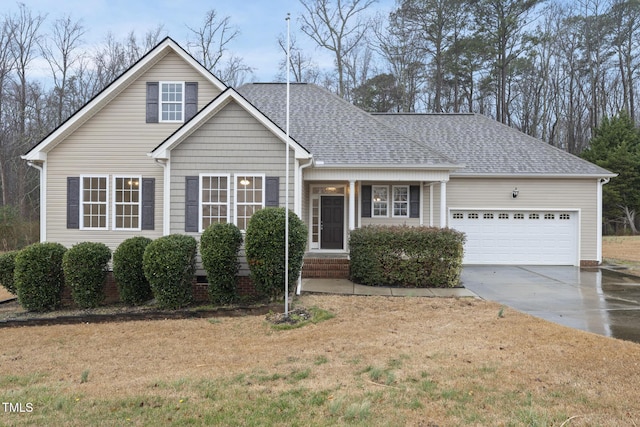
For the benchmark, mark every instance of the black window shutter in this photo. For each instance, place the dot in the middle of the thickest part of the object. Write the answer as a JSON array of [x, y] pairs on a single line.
[[272, 191], [73, 202], [152, 102], [192, 193], [365, 192], [414, 201], [190, 100], [148, 203]]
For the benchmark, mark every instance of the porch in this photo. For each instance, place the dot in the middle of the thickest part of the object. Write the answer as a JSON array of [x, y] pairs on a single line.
[[319, 265]]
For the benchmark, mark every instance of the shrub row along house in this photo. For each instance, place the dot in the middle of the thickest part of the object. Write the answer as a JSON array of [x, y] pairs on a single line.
[[167, 148]]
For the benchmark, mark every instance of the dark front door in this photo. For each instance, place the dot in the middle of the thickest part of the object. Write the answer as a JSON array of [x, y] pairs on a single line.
[[332, 222]]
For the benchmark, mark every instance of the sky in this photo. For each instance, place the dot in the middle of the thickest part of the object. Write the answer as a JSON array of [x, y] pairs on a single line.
[[259, 21]]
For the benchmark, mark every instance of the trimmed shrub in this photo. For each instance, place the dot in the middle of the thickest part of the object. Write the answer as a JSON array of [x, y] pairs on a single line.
[[413, 257], [133, 286], [7, 267], [169, 265], [85, 268], [39, 277], [264, 247], [219, 247]]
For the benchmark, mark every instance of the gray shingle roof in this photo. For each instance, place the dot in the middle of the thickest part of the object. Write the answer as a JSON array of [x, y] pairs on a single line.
[[489, 147], [336, 132]]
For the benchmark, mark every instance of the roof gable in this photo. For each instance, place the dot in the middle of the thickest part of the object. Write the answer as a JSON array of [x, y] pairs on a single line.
[[229, 95], [145, 63]]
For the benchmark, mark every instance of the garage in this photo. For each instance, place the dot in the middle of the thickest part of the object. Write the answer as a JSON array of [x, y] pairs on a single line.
[[530, 237]]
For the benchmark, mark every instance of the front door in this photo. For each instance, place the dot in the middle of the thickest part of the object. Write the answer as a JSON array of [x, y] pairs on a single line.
[[331, 222]]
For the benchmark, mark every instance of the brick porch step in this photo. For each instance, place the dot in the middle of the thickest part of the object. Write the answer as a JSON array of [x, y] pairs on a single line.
[[325, 268]]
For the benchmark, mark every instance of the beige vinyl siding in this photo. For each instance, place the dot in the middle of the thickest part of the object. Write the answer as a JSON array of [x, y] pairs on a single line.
[[232, 142], [534, 194], [116, 140]]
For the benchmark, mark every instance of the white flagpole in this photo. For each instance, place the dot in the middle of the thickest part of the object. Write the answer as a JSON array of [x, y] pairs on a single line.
[[286, 190]]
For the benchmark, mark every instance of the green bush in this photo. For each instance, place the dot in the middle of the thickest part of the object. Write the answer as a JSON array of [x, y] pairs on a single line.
[[264, 247], [219, 247], [85, 267], [39, 277], [7, 267], [403, 256], [169, 266], [133, 286]]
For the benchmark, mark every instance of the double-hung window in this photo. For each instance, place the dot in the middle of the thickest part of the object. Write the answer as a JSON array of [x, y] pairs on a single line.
[[401, 201], [171, 101], [249, 197], [126, 202], [94, 202], [214, 199], [380, 196]]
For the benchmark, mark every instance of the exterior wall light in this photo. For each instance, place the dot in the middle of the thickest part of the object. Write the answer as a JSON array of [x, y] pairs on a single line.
[[515, 192]]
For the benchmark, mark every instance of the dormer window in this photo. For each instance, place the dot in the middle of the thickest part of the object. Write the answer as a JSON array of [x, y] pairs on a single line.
[[171, 101]]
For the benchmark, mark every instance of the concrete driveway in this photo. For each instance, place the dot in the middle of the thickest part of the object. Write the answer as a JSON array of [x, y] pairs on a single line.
[[595, 300]]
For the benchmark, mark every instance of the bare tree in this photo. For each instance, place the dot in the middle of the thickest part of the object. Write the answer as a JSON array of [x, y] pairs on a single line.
[[60, 51], [26, 37], [212, 39], [301, 65], [7, 62], [338, 27]]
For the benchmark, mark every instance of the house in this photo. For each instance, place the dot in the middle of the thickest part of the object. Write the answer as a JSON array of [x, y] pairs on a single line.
[[168, 148]]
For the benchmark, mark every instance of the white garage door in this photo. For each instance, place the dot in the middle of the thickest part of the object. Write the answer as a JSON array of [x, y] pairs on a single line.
[[518, 237]]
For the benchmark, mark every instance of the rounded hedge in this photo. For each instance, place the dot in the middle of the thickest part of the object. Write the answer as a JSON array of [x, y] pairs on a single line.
[[39, 277], [219, 247], [169, 266], [7, 267], [133, 286], [264, 247], [406, 256], [85, 267]]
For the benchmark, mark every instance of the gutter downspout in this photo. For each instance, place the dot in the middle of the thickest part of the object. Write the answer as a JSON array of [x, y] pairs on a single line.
[[166, 196], [298, 208], [43, 198], [601, 183]]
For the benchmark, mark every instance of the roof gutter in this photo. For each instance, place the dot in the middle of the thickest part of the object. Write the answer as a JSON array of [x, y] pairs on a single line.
[[531, 175], [442, 166]]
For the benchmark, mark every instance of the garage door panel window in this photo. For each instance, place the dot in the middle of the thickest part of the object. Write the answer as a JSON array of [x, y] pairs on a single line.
[[549, 216]]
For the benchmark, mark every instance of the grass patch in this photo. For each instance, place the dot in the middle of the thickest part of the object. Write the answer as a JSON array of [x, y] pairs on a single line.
[[316, 315]]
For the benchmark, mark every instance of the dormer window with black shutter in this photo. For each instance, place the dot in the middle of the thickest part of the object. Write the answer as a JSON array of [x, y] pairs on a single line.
[[171, 102]]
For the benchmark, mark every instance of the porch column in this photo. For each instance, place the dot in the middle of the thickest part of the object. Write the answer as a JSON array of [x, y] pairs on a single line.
[[431, 205], [443, 204], [352, 205]]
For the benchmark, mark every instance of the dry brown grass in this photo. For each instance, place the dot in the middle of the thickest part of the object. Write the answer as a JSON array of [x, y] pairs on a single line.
[[407, 361], [621, 248], [484, 369], [5, 295]]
